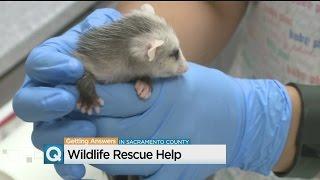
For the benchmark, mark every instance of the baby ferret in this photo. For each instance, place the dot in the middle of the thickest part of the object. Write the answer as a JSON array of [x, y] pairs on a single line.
[[138, 47]]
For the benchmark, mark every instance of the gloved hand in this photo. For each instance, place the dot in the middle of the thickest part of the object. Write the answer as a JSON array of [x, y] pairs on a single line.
[[250, 116], [51, 64]]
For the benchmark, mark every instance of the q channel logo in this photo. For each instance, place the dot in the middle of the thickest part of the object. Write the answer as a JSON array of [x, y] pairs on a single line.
[[53, 154]]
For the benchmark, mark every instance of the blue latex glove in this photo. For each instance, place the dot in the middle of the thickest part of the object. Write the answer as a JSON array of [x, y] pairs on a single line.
[[205, 105], [48, 65]]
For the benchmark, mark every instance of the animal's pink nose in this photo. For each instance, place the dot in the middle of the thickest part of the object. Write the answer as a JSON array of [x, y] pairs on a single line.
[[182, 69]]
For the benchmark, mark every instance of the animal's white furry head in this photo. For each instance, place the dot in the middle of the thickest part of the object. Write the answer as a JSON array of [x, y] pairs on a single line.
[[159, 47]]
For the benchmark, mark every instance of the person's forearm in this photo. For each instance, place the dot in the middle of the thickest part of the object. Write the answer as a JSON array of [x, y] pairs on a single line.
[[288, 154], [203, 28]]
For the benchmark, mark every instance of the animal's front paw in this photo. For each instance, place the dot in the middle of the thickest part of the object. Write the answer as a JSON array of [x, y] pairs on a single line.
[[88, 105], [143, 89]]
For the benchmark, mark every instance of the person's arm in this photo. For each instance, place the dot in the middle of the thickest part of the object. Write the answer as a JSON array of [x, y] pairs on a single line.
[[286, 159], [204, 28]]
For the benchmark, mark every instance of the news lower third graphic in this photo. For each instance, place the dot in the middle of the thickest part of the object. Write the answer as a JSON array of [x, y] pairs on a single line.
[[112, 150]]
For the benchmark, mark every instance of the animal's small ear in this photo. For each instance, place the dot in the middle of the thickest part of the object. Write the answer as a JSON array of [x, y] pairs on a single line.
[[147, 8], [152, 48]]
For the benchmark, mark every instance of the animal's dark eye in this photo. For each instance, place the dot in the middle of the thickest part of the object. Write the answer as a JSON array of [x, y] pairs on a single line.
[[175, 53]]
